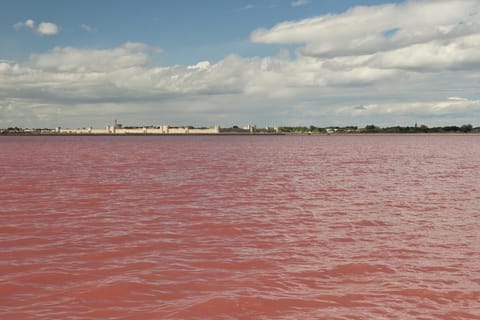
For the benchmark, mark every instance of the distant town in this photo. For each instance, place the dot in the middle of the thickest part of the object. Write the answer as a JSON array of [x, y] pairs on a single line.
[[118, 129]]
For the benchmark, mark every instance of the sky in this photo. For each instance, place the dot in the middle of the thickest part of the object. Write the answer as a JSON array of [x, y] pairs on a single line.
[[216, 62]]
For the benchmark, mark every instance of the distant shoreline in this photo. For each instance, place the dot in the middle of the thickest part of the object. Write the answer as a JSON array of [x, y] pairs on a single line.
[[164, 130], [28, 134]]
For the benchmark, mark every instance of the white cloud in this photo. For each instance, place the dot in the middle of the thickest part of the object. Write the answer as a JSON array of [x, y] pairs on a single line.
[[44, 28], [299, 3], [202, 65], [247, 7], [82, 84], [367, 30], [86, 27], [47, 28], [457, 99], [29, 24], [460, 53], [68, 59], [429, 108]]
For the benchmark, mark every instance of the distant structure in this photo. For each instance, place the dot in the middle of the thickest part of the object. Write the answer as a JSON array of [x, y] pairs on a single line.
[[113, 128], [118, 128], [275, 129], [251, 127]]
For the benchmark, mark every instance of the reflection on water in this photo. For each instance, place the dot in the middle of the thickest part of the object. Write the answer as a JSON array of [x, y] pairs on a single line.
[[337, 227]]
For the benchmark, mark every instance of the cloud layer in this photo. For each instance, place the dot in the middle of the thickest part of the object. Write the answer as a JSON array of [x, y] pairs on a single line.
[[366, 30], [418, 61]]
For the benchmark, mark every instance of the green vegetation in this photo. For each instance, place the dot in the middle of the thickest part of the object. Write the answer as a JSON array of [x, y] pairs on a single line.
[[234, 129], [466, 128], [17, 130]]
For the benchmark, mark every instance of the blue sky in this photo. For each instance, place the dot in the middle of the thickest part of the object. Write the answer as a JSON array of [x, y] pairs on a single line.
[[269, 62], [188, 30]]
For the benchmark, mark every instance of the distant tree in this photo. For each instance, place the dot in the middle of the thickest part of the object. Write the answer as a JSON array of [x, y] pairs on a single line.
[[466, 128], [451, 129], [424, 128], [371, 128]]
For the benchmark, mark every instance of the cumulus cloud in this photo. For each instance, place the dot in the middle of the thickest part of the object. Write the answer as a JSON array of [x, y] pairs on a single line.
[[47, 28], [457, 99], [383, 28], [28, 24], [429, 108], [69, 59], [118, 79], [277, 89], [299, 3], [247, 7], [86, 27], [43, 28]]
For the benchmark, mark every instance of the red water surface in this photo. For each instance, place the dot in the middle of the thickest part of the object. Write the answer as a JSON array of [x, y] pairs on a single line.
[[240, 227]]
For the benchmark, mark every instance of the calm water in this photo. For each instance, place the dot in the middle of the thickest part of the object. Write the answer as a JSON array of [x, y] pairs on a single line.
[[278, 227]]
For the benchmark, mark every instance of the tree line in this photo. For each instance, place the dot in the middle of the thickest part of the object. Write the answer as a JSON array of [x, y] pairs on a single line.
[[371, 128]]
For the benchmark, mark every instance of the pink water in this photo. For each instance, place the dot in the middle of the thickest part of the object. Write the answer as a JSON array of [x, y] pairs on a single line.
[[226, 227]]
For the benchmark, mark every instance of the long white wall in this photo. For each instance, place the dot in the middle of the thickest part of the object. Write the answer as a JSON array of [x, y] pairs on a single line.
[[159, 130]]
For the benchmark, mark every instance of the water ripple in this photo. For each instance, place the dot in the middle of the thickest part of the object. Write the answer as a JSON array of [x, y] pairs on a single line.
[[338, 227]]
